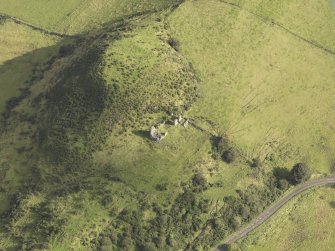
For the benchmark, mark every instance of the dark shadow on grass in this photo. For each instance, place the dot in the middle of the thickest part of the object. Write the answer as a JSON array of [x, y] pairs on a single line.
[[215, 140], [281, 173], [142, 133], [332, 204], [223, 247]]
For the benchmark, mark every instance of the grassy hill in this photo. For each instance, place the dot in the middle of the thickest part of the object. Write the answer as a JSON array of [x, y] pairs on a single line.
[[263, 85], [78, 169], [20, 50]]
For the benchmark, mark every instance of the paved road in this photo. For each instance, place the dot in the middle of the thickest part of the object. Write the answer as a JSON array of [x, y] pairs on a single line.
[[274, 208]]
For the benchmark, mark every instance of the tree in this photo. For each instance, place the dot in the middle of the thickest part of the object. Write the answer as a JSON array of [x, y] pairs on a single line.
[[300, 173]]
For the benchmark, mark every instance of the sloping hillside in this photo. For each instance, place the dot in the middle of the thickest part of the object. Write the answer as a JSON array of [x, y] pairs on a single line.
[[76, 16], [242, 91]]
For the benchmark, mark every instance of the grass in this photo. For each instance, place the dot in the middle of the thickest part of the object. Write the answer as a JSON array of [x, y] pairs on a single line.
[[144, 62], [15, 68], [266, 89], [92, 14], [314, 22], [34, 11], [76, 16], [262, 85], [306, 222]]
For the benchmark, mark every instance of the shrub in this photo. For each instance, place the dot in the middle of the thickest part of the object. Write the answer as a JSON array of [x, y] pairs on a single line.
[[231, 247], [173, 43], [281, 173], [148, 247], [283, 184], [223, 147], [229, 156], [244, 212], [162, 186], [300, 173], [234, 223], [199, 180], [215, 155], [2, 19], [222, 144], [106, 244], [332, 167], [256, 163]]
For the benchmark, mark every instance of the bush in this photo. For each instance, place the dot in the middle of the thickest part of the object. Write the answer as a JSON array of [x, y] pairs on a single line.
[[199, 180], [2, 19], [332, 167], [234, 223], [221, 144], [300, 173], [231, 247], [148, 247], [162, 186], [281, 173], [283, 184], [256, 163], [106, 244], [229, 156], [244, 212], [173, 43]]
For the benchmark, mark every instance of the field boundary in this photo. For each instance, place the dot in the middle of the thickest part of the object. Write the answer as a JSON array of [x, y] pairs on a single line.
[[34, 27], [281, 26]]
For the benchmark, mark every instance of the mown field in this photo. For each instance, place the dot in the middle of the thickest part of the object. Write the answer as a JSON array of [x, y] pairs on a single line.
[[78, 170]]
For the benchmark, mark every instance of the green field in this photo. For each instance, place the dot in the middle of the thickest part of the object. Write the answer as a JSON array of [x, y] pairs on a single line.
[[76, 16], [21, 48], [34, 11], [78, 169], [304, 223], [262, 85]]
